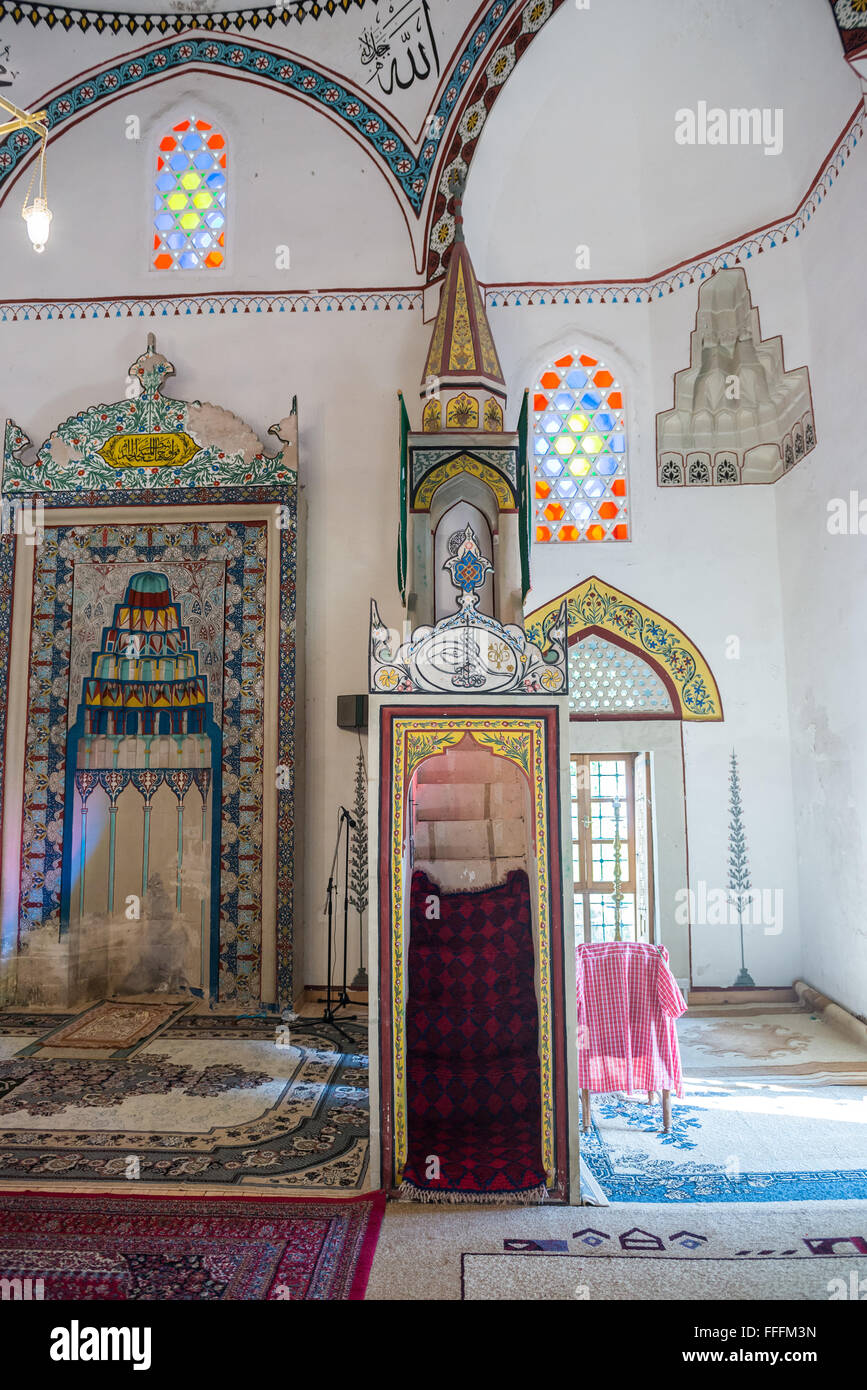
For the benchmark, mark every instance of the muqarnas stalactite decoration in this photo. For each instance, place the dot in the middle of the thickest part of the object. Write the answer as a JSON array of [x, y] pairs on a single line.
[[739, 871], [358, 865]]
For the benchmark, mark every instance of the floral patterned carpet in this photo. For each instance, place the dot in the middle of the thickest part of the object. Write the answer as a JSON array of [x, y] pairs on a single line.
[[773, 1111], [211, 1100]]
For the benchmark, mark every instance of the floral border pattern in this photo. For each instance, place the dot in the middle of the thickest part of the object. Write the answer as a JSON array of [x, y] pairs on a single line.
[[851, 19], [115, 22]]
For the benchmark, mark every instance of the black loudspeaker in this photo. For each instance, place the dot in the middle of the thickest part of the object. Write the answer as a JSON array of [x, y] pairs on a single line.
[[352, 711]]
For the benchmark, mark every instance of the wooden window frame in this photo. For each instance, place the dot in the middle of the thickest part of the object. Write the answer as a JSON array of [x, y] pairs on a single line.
[[583, 887]]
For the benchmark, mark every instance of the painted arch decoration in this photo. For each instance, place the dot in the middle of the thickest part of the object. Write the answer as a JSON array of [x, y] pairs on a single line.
[[417, 167], [594, 606]]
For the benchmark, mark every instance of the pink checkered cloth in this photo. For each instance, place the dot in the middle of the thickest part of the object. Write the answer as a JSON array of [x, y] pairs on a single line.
[[628, 1001]]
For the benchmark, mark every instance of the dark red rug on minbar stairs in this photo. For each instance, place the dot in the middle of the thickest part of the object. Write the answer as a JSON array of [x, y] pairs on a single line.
[[473, 1075], [103, 1247]]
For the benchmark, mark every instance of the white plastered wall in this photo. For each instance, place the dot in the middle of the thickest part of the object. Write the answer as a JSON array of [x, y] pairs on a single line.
[[822, 580], [708, 560]]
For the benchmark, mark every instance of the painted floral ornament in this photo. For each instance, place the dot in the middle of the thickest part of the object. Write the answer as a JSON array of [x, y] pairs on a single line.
[[468, 568]]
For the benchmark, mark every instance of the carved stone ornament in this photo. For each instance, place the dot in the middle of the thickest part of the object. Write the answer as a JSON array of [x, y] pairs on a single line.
[[467, 652], [736, 407], [149, 440]]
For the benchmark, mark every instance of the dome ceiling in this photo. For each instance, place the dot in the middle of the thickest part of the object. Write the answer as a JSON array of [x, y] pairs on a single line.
[[565, 118]]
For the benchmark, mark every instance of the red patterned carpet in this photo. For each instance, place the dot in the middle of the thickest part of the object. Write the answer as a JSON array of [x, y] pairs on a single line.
[[199, 1248], [473, 1077]]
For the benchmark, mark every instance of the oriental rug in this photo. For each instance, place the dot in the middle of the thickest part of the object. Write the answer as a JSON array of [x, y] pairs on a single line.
[[224, 1104], [732, 1141], [118, 1029], [473, 1075], [105, 1247], [759, 1043]]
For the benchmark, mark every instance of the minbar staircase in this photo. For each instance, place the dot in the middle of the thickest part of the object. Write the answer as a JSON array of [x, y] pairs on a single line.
[[473, 1077], [469, 820]]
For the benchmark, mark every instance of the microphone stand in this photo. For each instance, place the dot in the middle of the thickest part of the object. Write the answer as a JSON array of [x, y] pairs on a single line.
[[330, 1014]]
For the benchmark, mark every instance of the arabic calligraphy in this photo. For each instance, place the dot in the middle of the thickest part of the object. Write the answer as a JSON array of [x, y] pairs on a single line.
[[148, 450], [401, 46], [7, 76]]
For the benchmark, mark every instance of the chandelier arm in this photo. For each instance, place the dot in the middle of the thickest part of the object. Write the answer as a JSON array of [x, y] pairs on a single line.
[[28, 118]]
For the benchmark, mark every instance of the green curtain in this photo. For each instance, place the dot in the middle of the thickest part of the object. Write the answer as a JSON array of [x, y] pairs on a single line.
[[402, 522], [525, 506]]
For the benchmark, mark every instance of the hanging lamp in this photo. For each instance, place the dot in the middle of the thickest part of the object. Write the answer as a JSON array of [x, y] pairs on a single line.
[[36, 213]]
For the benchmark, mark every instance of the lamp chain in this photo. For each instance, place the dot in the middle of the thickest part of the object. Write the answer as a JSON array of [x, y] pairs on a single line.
[[43, 183]]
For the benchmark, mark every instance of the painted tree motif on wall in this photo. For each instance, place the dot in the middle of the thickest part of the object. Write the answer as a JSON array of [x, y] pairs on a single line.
[[738, 869], [358, 882]]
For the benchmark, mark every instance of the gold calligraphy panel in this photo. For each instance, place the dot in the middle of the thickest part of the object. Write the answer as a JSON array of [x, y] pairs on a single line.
[[148, 450]]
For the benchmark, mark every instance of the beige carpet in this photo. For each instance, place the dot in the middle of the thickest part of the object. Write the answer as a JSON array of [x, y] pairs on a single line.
[[760, 1252], [769, 1043]]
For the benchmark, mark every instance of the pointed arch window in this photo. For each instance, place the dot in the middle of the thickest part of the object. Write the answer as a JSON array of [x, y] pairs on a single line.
[[579, 452], [189, 231]]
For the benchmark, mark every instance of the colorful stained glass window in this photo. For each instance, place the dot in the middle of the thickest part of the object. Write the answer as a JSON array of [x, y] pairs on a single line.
[[190, 198], [579, 446]]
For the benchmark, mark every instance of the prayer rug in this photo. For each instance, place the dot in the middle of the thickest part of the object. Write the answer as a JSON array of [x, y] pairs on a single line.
[[791, 1042], [103, 1247], [473, 1075], [118, 1029]]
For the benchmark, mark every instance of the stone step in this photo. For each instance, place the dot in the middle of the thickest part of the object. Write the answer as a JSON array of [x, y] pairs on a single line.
[[453, 875], [470, 839], [468, 767], [462, 801]]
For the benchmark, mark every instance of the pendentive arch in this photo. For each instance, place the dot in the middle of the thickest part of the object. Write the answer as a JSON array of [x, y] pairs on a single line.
[[594, 606], [418, 178], [214, 56]]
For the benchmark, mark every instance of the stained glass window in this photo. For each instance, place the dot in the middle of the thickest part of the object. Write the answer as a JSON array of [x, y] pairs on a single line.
[[190, 198], [579, 445]]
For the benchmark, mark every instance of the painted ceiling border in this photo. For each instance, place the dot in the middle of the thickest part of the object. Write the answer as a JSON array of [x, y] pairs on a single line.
[[850, 17], [689, 272], [67, 18], [396, 298]]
